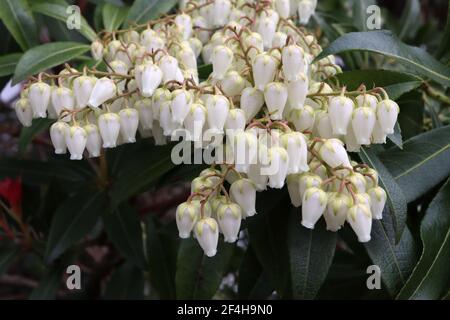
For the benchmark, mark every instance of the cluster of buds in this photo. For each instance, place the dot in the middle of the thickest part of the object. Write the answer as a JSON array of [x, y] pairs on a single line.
[[270, 112]]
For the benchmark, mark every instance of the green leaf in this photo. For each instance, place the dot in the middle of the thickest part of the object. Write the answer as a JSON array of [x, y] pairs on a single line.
[[127, 282], [161, 254], [59, 11], [124, 230], [46, 56], [148, 164], [144, 10], [48, 286], [311, 253], [28, 133], [113, 16], [17, 17], [410, 18], [360, 13], [7, 257], [411, 113], [396, 137], [395, 198], [394, 82], [72, 221], [253, 283], [422, 164], [430, 277], [445, 43], [198, 276], [8, 63], [204, 71], [385, 43]]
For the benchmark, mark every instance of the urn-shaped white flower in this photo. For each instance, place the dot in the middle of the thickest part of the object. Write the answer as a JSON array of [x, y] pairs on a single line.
[[207, 234], [145, 110], [109, 126], [94, 140], [151, 78], [275, 95], [39, 96], [243, 192], [82, 89], [333, 153], [297, 149], [387, 113], [378, 135], [313, 205], [377, 202], [184, 21], [279, 162], [279, 39], [292, 57], [187, 215], [58, 132], [308, 180], [221, 59], [360, 219], [229, 216], [306, 9], [368, 101], [62, 98], [283, 8], [195, 121], [221, 12], [302, 118], [235, 121], [169, 68], [217, 107], [267, 28], [264, 69], [293, 185], [340, 110], [336, 212], [181, 104], [76, 141], [104, 89], [129, 121], [97, 50], [24, 111], [297, 91], [161, 95], [252, 101], [363, 122]]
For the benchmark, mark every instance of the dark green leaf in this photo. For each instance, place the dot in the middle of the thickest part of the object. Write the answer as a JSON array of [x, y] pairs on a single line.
[[198, 276], [253, 283], [46, 56], [395, 199], [410, 19], [144, 10], [8, 63], [311, 253], [385, 43], [127, 282], [7, 257], [17, 17], [59, 32], [113, 16], [422, 164], [28, 133], [48, 286], [125, 232], [445, 43], [430, 278], [396, 137], [72, 221], [410, 117], [204, 71], [59, 11]]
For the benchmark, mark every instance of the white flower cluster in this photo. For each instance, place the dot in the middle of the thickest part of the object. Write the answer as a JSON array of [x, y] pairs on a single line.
[[264, 91]]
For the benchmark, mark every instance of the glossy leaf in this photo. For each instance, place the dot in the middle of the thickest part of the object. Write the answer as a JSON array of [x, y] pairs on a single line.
[[17, 17], [46, 56], [127, 282], [113, 16], [8, 63], [385, 43], [430, 278], [143, 10]]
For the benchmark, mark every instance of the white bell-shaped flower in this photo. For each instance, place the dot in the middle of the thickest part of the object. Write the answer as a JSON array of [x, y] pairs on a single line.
[[221, 59], [146, 35], [368, 101], [181, 104], [58, 132], [252, 101], [283, 8], [267, 28], [293, 61], [39, 97], [264, 70], [333, 153], [24, 111], [293, 185], [360, 219], [244, 149], [322, 125], [302, 118], [275, 95], [62, 98], [185, 22], [94, 140], [109, 126], [129, 121], [196, 47], [166, 119], [195, 121], [336, 212], [340, 110], [217, 107], [351, 144], [207, 234], [371, 177], [97, 50], [221, 12], [233, 84], [207, 53], [151, 78], [229, 216], [358, 181], [305, 9], [297, 149], [279, 161], [387, 113], [293, 7], [377, 202], [161, 95], [314, 203], [235, 120], [297, 91], [361, 198], [279, 39], [378, 135], [200, 29], [243, 192], [76, 141], [145, 110], [308, 180], [254, 40], [82, 89], [187, 57], [187, 215], [363, 122], [169, 68], [104, 89]]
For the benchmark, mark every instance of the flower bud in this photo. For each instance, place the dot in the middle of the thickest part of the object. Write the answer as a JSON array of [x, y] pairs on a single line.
[[282, 7], [217, 107], [252, 101], [185, 22], [387, 113], [368, 101], [229, 216], [334, 154], [76, 142], [313, 205], [297, 91], [267, 28], [235, 120], [196, 47], [97, 50], [293, 185], [363, 121], [195, 121], [151, 78], [39, 97], [62, 98], [351, 145], [302, 118], [58, 132], [264, 70], [181, 104], [207, 234], [221, 12], [24, 111], [145, 110], [295, 145], [337, 209], [358, 181], [221, 59], [306, 9], [371, 177], [279, 39], [201, 24], [279, 160], [308, 180], [244, 149], [275, 95], [104, 89], [169, 68], [340, 110], [166, 119], [129, 121], [378, 135], [243, 192], [361, 198], [360, 219], [160, 96], [186, 216], [82, 89], [94, 141], [255, 40], [293, 62], [109, 126], [377, 201], [233, 84]]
